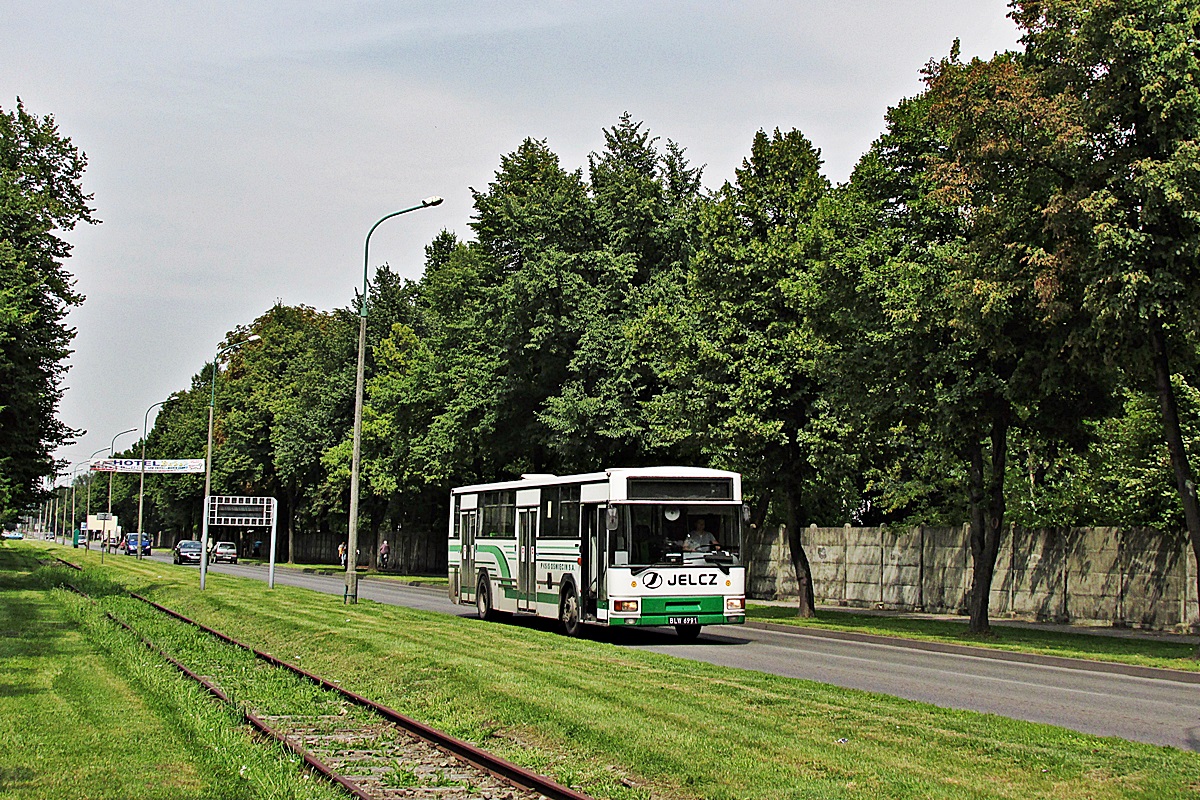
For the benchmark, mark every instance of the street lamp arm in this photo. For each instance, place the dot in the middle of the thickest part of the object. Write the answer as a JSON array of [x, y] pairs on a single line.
[[426, 203], [112, 446], [223, 349], [112, 449]]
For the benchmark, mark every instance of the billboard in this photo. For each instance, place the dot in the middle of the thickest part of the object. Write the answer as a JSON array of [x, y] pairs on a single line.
[[153, 466]]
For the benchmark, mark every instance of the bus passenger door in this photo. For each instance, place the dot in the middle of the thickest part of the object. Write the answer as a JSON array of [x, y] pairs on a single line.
[[598, 551], [467, 577], [526, 559]]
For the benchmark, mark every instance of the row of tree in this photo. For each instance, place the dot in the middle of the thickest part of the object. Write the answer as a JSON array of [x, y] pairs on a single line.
[[993, 321]]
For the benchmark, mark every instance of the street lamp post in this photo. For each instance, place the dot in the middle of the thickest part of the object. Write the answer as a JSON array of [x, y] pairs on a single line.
[[112, 451], [142, 481], [351, 593], [88, 511], [74, 470], [62, 513], [212, 400]]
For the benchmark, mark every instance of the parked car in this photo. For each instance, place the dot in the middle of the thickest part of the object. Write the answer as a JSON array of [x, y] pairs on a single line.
[[131, 544], [224, 551], [187, 552], [14, 535]]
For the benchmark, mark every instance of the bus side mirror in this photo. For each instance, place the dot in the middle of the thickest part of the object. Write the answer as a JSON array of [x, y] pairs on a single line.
[[611, 521], [745, 513]]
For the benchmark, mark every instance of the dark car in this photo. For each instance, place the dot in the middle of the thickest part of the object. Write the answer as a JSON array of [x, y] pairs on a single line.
[[224, 551], [188, 552], [131, 544]]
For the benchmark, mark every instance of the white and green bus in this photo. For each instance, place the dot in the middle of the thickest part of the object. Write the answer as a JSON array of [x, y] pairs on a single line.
[[651, 546]]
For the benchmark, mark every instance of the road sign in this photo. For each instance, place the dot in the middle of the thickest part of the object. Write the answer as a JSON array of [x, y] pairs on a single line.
[[247, 512], [103, 516], [250, 512]]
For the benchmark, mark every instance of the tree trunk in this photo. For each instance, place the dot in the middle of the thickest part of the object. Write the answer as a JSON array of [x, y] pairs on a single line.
[[291, 522], [759, 515], [1184, 481], [807, 606], [987, 520]]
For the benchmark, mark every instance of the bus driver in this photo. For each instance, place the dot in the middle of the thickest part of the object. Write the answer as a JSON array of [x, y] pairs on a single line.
[[699, 538]]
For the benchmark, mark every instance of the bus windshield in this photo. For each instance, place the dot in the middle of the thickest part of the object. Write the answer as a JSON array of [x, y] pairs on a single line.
[[673, 533]]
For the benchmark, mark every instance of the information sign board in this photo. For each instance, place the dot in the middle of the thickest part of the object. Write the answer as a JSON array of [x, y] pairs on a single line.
[[245, 512]]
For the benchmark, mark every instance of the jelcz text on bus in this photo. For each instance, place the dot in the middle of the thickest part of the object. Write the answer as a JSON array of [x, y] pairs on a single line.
[[649, 546]]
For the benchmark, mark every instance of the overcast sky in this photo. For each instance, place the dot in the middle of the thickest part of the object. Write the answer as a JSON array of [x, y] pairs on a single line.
[[239, 152]]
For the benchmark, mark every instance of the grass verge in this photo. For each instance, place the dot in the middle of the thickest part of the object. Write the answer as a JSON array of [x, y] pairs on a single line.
[[621, 723], [1166, 652]]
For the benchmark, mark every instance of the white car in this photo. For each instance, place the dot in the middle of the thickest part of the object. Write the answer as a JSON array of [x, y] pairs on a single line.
[[224, 551]]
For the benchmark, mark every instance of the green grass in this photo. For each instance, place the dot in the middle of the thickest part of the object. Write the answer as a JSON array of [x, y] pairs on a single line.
[[624, 723], [87, 713], [1167, 652]]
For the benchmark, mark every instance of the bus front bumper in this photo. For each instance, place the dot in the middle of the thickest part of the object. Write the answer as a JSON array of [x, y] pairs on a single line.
[[682, 619]]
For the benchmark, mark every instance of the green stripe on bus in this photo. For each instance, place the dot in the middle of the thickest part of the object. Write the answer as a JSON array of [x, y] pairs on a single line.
[[501, 559]]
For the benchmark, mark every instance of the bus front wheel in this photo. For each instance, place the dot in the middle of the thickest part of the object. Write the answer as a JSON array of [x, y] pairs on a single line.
[[687, 632], [483, 599], [568, 612]]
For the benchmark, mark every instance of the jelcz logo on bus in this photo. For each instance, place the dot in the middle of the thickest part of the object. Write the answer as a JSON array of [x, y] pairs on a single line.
[[653, 580], [692, 579]]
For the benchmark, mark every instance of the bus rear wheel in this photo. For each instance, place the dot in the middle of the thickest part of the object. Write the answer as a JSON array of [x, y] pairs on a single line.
[[483, 599], [687, 632], [568, 612]]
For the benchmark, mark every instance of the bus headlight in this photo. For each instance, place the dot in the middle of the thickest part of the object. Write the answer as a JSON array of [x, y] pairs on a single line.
[[735, 603], [625, 606]]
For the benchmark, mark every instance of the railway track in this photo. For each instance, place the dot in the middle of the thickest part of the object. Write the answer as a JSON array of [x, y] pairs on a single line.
[[369, 750]]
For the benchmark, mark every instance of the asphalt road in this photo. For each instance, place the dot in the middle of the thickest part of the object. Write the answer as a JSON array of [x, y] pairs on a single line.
[[1144, 709]]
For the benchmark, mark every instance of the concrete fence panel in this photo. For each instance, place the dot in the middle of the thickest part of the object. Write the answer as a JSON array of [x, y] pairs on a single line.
[[1094, 574], [1099, 575], [946, 568]]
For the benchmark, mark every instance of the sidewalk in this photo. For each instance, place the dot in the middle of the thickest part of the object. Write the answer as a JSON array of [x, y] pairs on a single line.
[[1095, 629]]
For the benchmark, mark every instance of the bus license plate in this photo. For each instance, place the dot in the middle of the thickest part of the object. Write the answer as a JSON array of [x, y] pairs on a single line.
[[683, 620]]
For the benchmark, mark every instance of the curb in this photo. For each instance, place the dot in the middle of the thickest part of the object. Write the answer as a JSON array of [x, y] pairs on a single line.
[[1086, 665]]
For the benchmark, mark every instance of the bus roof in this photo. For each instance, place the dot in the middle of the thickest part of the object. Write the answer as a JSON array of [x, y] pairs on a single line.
[[533, 480]]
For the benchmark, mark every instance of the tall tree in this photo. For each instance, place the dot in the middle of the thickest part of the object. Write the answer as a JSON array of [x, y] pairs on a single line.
[[737, 346], [41, 196], [1125, 217], [646, 203], [974, 348]]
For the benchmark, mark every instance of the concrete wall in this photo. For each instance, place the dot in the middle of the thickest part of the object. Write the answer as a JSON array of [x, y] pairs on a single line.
[[1099, 575]]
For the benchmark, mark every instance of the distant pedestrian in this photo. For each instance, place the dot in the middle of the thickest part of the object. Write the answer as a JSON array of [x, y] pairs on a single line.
[[384, 552], [342, 554]]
